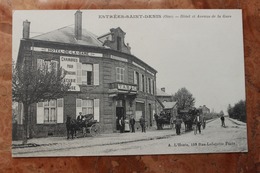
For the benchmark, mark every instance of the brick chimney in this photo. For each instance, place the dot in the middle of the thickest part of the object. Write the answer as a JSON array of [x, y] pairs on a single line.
[[78, 25], [26, 29], [163, 89]]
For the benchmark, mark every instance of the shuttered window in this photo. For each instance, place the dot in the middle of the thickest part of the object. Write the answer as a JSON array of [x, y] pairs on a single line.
[[50, 111], [87, 71], [140, 83]]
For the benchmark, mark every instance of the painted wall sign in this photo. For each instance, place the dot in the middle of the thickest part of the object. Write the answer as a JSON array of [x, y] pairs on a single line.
[[64, 51], [127, 87], [69, 64]]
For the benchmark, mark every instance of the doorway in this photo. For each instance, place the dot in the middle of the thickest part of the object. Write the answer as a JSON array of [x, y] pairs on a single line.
[[119, 115], [151, 115]]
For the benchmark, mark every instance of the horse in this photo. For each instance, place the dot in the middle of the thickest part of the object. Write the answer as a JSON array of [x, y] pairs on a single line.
[[71, 125], [188, 117], [163, 119]]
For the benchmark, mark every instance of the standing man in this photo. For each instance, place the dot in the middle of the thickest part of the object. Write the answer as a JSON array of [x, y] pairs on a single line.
[[222, 121], [198, 121], [132, 124], [122, 124], [203, 122], [142, 123], [178, 125]]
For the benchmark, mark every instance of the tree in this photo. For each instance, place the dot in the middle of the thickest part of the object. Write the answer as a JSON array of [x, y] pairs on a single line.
[[31, 85], [238, 111], [221, 113], [184, 99], [230, 111]]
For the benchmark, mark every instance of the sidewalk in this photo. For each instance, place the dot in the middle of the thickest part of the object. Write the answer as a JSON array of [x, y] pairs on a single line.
[[61, 143], [237, 121]]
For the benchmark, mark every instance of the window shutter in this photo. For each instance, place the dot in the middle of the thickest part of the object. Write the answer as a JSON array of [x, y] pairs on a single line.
[[79, 74], [40, 113], [96, 74], [135, 78], [140, 82], [151, 86], [60, 110], [96, 110], [78, 106]]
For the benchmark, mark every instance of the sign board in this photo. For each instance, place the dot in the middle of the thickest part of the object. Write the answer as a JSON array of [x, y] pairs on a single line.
[[64, 51], [127, 87], [69, 64]]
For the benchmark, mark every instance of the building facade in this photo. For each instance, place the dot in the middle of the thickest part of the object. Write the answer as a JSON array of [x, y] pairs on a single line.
[[204, 109], [106, 79], [161, 98]]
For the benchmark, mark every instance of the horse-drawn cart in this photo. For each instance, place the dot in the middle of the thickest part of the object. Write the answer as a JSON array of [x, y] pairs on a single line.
[[86, 125]]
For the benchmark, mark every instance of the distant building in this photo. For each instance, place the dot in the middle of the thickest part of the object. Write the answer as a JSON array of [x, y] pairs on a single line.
[[204, 109], [161, 98], [170, 107]]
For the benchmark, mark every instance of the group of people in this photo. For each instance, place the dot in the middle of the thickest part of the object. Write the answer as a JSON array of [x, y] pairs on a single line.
[[198, 122], [132, 124]]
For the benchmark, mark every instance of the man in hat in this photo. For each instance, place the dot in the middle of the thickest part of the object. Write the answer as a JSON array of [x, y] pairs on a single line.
[[132, 124], [142, 123], [178, 125]]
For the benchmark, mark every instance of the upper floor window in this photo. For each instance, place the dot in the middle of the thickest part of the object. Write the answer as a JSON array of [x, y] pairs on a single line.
[[143, 84], [149, 86], [136, 79], [87, 74], [120, 74], [47, 65]]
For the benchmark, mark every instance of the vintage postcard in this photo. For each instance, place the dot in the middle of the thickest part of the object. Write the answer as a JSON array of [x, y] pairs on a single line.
[[127, 82]]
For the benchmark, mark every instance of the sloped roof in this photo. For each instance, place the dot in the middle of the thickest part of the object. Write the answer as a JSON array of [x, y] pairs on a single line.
[[66, 35], [169, 105], [161, 93]]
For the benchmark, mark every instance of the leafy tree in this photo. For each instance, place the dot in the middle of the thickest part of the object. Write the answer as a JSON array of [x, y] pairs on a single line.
[[238, 111], [184, 99], [230, 111], [31, 85], [221, 113]]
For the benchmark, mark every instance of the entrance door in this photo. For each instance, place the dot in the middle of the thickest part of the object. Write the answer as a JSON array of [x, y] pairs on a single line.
[[151, 115], [119, 114]]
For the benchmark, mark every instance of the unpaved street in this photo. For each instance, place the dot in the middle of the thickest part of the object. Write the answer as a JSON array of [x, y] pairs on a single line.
[[214, 138]]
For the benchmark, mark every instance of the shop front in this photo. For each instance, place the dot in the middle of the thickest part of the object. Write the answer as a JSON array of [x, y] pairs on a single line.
[[123, 95]]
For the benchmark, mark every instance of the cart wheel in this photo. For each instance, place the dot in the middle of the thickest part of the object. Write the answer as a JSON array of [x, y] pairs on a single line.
[[95, 130]]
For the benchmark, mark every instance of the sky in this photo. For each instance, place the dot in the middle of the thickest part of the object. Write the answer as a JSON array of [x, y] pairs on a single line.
[[201, 50]]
